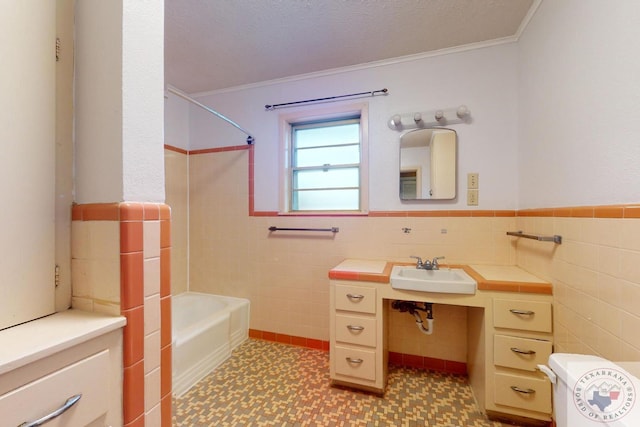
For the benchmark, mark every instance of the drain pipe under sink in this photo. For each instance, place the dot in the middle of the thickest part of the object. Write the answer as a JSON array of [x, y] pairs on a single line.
[[413, 307]]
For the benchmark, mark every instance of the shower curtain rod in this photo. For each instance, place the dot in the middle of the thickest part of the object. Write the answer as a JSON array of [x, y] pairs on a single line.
[[384, 91], [183, 95]]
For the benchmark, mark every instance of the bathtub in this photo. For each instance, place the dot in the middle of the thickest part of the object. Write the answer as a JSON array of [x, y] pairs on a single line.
[[205, 329]]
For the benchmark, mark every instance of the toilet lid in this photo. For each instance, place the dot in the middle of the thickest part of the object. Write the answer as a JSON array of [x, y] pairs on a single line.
[[599, 391], [561, 362]]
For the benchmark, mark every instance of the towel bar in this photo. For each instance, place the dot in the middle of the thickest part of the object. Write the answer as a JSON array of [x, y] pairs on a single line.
[[332, 229], [555, 238]]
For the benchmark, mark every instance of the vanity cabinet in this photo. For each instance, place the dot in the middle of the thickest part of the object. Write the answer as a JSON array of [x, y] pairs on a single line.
[[358, 354], [509, 332], [521, 340], [51, 360], [87, 380]]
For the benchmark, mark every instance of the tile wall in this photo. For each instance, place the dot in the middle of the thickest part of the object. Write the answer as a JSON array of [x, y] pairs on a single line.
[[177, 196], [595, 272], [285, 274], [121, 255]]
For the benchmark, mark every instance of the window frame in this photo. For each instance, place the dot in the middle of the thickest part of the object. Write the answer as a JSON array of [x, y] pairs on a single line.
[[334, 113]]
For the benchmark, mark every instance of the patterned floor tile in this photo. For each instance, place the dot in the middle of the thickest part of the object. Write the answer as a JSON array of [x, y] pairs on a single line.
[[271, 384]]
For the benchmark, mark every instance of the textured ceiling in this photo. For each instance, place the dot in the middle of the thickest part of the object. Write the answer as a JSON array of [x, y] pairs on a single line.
[[216, 44]]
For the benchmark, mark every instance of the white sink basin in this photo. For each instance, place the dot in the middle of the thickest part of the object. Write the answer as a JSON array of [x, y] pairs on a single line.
[[446, 280]]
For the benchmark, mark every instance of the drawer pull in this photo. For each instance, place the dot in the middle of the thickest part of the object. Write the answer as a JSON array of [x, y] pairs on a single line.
[[352, 360], [517, 350], [355, 297], [522, 390], [522, 312], [355, 328], [61, 410]]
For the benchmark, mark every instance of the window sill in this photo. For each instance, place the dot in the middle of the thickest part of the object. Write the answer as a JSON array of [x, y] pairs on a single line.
[[324, 213]]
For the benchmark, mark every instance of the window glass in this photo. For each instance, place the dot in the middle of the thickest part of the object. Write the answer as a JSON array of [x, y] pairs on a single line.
[[326, 165], [323, 200]]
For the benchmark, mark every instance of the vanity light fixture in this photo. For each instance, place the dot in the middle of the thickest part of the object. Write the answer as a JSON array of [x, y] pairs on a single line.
[[417, 120]]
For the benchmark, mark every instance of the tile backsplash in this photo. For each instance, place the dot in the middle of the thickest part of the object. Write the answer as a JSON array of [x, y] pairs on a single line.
[[595, 272]]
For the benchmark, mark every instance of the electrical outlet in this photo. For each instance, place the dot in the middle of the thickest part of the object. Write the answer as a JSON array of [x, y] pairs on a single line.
[[472, 197], [472, 180]]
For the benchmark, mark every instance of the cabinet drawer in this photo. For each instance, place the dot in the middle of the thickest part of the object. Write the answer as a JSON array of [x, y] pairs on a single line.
[[520, 353], [355, 298], [89, 377], [524, 315], [524, 392], [355, 363], [356, 329]]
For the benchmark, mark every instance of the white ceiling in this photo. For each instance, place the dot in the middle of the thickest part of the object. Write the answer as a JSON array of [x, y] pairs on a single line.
[[216, 44]]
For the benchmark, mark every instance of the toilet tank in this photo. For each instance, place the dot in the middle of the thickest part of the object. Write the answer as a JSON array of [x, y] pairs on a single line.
[[592, 391]]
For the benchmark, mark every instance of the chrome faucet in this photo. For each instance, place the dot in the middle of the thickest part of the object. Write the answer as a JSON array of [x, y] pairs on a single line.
[[427, 265]]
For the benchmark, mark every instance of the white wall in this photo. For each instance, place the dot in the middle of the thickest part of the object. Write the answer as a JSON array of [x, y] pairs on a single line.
[[579, 98], [119, 101], [484, 79], [98, 88], [143, 100]]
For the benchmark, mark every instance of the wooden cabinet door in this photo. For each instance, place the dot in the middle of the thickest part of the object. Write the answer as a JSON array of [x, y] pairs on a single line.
[[27, 161]]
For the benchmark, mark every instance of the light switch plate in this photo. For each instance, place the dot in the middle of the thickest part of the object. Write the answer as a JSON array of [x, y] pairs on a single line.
[[472, 197], [473, 180]]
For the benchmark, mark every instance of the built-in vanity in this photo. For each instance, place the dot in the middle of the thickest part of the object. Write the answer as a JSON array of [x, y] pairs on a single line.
[[71, 359], [509, 332]]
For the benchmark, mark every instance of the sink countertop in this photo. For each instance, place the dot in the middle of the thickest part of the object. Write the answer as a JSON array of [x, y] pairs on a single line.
[[362, 270], [505, 278]]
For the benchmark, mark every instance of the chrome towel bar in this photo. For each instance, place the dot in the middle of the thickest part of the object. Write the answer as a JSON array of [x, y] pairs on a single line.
[[555, 238], [332, 229]]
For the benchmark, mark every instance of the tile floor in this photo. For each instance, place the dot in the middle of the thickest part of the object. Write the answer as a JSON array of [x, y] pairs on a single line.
[[266, 384]]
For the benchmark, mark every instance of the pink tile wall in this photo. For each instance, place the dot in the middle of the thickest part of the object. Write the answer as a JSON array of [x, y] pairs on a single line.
[[145, 300]]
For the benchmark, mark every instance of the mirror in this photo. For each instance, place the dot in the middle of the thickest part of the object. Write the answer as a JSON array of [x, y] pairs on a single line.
[[428, 164]]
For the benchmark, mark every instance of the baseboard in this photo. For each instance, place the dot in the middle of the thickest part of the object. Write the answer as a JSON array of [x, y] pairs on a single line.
[[289, 339], [397, 359], [429, 363]]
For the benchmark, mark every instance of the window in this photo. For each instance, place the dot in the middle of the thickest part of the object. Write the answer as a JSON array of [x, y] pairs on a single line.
[[326, 164]]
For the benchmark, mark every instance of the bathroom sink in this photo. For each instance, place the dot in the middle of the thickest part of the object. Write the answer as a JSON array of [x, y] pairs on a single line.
[[445, 280]]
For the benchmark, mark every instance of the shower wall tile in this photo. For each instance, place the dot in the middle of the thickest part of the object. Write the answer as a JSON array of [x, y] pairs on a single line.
[[151, 239], [131, 211], [132, 279], [151, 211], [118, 268], [152, 352], [176, 189], [166, 278], [152, 314], [152, 390], [151, 276], [153, 416], [133, 385], [131, 236], [165, 319], [133, 336]]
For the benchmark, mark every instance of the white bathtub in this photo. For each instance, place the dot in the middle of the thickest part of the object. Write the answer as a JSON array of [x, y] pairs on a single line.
[[205, 329]]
